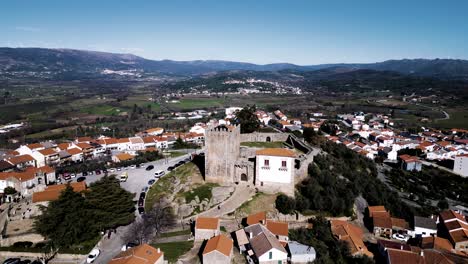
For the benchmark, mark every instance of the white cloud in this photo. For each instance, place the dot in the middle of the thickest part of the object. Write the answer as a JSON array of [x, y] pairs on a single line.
[[28, 29]]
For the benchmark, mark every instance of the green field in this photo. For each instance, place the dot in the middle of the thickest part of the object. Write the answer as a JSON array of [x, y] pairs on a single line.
[[195, 103], [172, 251], [458, 119], [105, 110]]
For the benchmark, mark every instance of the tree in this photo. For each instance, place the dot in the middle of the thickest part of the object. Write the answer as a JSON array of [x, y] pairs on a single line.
[[247, 119], [9, 190], [285, 204], [112, 205], [151, 224], [67, 221], [443, 204]]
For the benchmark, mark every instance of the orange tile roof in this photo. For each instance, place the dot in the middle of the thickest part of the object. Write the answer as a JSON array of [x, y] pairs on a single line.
[[123, 140], [277, 228], [280, 152], [52, 192], [35, 146], [124, 156], [28, 174], [83, 145], [376, 208], [84, 139], [48, 152], [450, 214], [407, 158], [401, 223], [207, 223], [256, 218], [63, 146], [74, 151], [459, 235], [351, 234], [436, 243], [142, 254], [220, 243], [20, 159], [109, 141], [384, 222], [404, 257], [155, 129]]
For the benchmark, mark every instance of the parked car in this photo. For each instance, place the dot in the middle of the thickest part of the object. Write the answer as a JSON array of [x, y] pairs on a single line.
[[159, 173], [104, 170], [151, 182], [132, 166], [400, 237], [111, 170], [119, 169], [11, 261], [145, 189], [141, 202], [90, 173], [141, 210], [130, 244], [170, 168], [138, 165], [123, 177], [93, 255], [80, 179], [85, 173], [67, 177], [98, 172], [73, 175], [150, 167], [181, 162]]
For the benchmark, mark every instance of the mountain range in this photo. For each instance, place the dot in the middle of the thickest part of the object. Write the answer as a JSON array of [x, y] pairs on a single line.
[[63, 62]]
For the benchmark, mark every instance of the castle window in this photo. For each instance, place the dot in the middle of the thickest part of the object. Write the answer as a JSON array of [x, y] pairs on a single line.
[[283, 163], [266, 162]]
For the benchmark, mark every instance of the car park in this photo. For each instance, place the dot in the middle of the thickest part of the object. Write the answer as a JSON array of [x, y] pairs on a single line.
[[92, 256], [80, 179], [150, 167], [159, 173], [151, 182]]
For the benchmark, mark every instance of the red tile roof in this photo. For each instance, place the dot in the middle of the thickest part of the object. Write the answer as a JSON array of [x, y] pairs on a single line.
[[220, 243], [207, 223], [280, 152]]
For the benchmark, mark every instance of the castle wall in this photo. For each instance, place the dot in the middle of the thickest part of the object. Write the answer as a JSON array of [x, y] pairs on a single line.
[[262, 137]]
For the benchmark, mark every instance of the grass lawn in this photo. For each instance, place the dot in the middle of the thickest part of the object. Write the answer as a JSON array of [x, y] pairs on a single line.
[[195, 103], [172, 251], [260, 202], [276, 144], [175, 154], [102, 110], [176, 233], [203, 192], [458, 119], [164, 186]]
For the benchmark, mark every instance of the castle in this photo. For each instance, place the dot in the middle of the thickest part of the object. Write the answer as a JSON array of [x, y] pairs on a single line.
[[270, 170]]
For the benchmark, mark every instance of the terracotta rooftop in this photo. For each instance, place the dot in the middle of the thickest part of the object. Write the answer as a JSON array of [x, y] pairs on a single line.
[[436, 243], [280, 152], [142, 254], [35, 146], [207, 223], [83, 145], [401, 223], [277, 228], [52, 192], [220, 243], [84, 139], [63, 146], [48, 152], [352, 234], [407, 158], [404, 257], [20, 159], [124, 156], [450, 214], [74, 151], [376, 208], [256, 218], [155, 129], [384, 222]]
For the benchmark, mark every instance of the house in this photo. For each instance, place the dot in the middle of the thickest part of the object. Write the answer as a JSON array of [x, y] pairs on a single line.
[[28, 149], [142, 254], [46, 157], [256, 218], [397, 256], [268, 249], [83, 139], [275, 170], [352, 234], [206, 227], [280, 115], [25, 181], [381, 220], [136, 143], [435, 242], [6, 166], [52, 192], [279, 229], [454, 227], [122, 157], [22, 161], [300, 253], [76, 154], [218, 249], [410, 163], [423, 227], [86, 148], [460, 165]]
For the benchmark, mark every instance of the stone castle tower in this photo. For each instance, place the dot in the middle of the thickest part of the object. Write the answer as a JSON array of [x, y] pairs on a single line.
[[222, 152]]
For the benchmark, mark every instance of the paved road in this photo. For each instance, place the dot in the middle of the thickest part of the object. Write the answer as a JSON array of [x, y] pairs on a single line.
[[137, 179]]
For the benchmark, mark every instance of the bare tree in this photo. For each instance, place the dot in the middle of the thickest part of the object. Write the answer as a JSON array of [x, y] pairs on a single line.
[[151, 224]]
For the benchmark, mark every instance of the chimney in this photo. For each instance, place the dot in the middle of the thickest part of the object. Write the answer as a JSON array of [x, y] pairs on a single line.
[[401, 246], [159, 250], [422, 253], [251, 235]]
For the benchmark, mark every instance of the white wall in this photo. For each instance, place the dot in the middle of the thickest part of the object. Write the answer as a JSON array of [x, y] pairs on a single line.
[[461, 166], [274, 172], [421, 230], [277, 255]]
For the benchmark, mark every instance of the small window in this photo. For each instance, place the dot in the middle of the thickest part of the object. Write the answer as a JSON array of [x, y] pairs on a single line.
[[271, 255], [283, 163], [267, 162]]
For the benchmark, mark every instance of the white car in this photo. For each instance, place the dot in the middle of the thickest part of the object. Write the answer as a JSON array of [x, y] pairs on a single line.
[[92, 256], [132, 166], [159, 173], [400, 237]]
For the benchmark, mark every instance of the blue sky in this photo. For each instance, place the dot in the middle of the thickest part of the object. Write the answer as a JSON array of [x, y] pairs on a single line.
[[259, 31]]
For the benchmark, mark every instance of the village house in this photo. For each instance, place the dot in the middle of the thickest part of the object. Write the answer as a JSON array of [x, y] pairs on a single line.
[[423, 227], [144, 254], [352, 234], [460, 165], [24, 181], [256, 218], [122, 157], [86, 149], [454, 227], [279, 229], [156, 131], [46, 157], [275, 170], [76, 154], [218, 249], [22, 161], [206, 227], [300, 253], [28, 149], [52, 192], [268, 249], [410, 163]]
